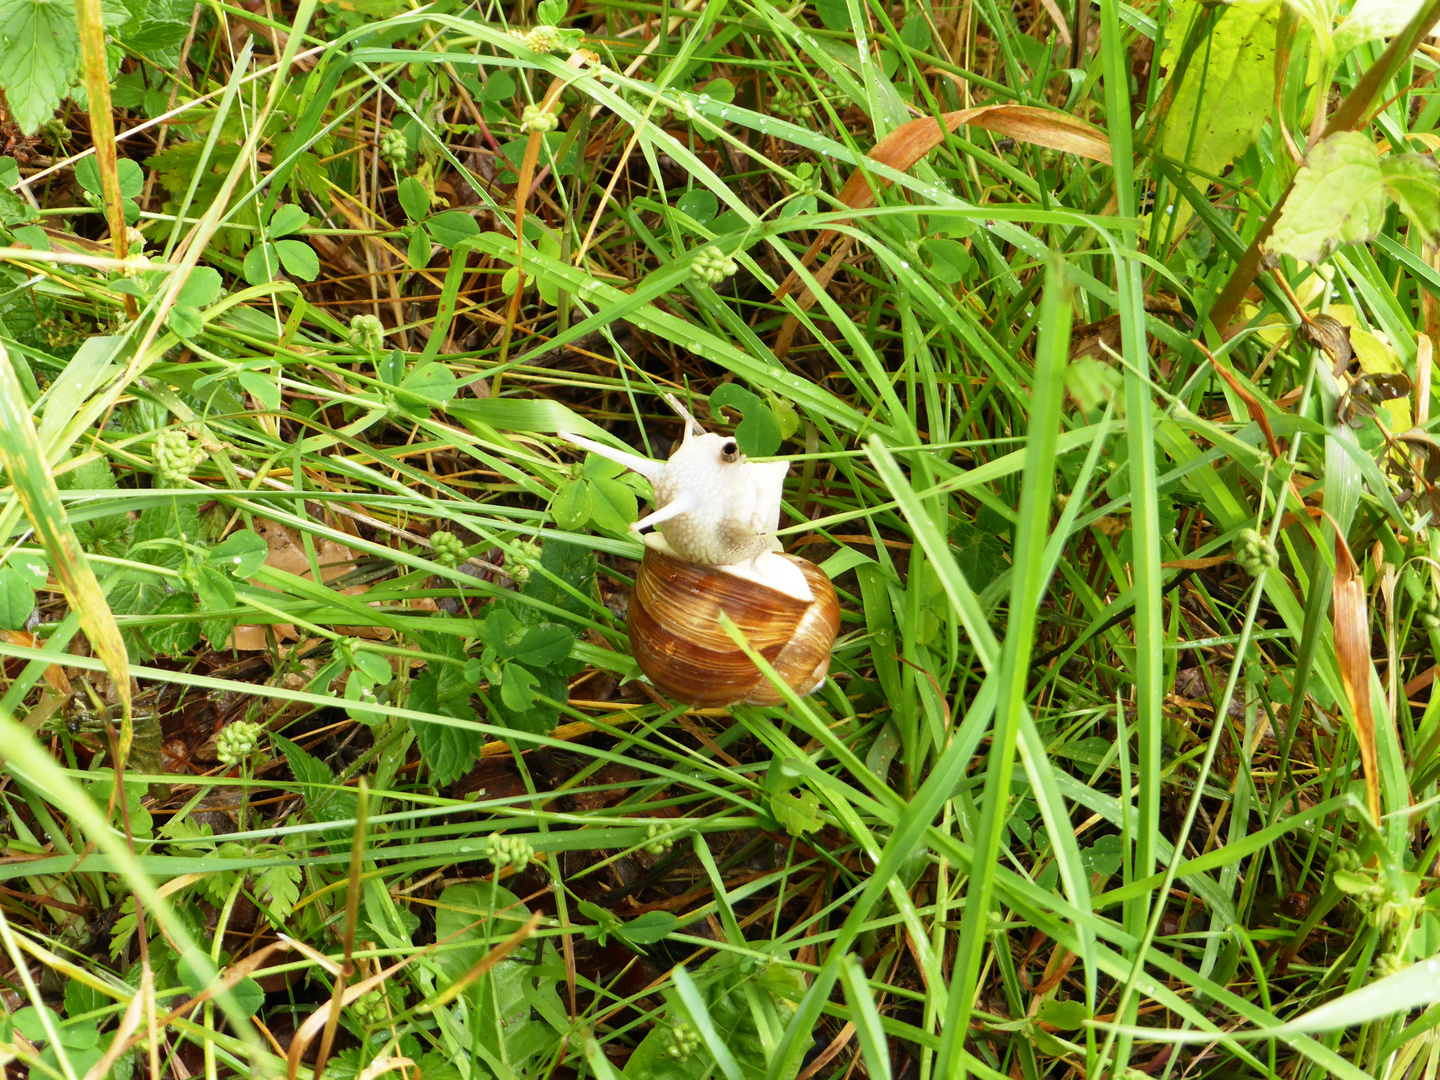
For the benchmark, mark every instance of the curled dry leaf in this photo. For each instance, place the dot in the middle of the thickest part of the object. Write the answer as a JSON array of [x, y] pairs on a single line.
[[1331, 335]]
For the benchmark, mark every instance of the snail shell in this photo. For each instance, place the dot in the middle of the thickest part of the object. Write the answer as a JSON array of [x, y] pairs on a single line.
[[676, 636]]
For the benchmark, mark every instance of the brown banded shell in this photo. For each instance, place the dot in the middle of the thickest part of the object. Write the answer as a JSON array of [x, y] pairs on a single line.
[[676, 636]]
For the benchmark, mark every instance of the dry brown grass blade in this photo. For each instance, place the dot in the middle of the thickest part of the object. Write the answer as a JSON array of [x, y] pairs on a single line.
[[1257, 413], [1352, 652], [907, 144]]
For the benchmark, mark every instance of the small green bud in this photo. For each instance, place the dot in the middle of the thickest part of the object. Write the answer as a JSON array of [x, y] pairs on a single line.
[[712, 266], [449, 551], [394, 151], [237, 742], [654, 844], [538, 118], [684, 1041], [175, 456], [367, 333], [513, 851]]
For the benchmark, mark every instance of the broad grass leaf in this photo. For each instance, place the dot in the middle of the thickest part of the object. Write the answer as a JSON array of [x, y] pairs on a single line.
[[23, 458], [910, 142], [1338, 198]]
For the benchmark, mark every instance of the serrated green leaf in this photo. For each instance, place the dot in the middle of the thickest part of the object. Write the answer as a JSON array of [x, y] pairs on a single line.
[[298, 258], [40, 53], [173, 636], [14, 210], [1413, 181], [1227, 88], [1338, 198], [278, 888], [440, 690], [542, 645]]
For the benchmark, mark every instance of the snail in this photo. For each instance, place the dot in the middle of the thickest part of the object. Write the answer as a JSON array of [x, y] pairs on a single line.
[[714, 550]]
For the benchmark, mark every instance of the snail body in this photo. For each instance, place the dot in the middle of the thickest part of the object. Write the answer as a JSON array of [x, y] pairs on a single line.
[[715, 551]]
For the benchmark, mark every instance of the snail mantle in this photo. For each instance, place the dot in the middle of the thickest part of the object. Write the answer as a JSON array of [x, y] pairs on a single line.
[[714, 550]]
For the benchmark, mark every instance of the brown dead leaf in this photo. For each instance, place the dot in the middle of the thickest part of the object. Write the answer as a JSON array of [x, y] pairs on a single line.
[[285, 551], [1352, 651], [1253, 407]]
